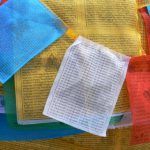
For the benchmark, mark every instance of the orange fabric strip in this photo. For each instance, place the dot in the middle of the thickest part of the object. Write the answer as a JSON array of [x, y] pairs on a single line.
[[146, 19]]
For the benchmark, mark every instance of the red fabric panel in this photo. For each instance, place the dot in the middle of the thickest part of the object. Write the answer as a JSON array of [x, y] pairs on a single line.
[[138, 84]]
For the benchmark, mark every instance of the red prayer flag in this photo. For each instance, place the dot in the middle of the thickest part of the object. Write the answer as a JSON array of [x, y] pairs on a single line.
[[138, 84]]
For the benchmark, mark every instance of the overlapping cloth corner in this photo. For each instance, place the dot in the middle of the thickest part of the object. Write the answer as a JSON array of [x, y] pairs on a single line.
[[143, 3], [27, 28]]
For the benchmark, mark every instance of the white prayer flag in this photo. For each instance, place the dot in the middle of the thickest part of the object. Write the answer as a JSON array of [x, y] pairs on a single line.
[[87, 86]]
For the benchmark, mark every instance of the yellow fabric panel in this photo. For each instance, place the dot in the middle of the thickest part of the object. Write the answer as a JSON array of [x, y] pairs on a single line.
[[116, 27]]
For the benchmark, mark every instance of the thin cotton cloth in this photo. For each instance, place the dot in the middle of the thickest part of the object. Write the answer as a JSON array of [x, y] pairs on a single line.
[[87, 86], [26, 28], [138, 84]]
